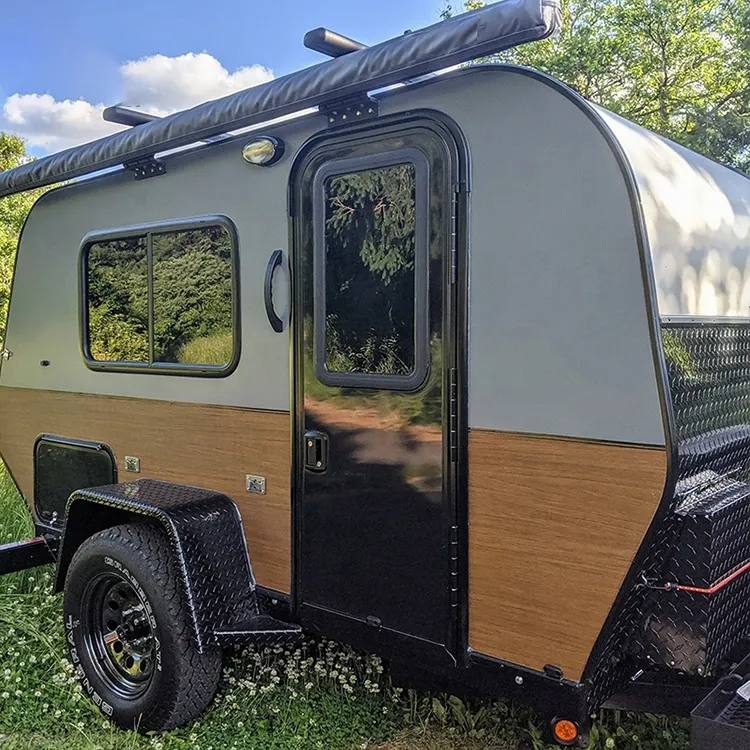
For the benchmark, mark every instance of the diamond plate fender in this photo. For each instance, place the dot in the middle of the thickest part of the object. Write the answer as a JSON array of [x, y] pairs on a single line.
[[205, 534]]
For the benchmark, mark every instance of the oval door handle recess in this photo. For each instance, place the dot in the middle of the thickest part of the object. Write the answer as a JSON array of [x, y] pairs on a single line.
[[273, 263]]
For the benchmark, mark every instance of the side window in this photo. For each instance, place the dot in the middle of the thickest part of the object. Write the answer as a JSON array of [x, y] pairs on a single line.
[[117, 300], [162, 300], [371, 259], [193, 296]]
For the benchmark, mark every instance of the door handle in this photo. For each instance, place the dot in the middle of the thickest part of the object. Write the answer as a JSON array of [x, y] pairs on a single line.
[[273, 263], [316, 451]]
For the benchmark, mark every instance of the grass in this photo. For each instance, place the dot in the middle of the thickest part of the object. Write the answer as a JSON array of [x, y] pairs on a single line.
[[317, 695]]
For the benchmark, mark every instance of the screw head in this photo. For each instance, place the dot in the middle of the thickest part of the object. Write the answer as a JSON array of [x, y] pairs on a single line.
[[519, 680]]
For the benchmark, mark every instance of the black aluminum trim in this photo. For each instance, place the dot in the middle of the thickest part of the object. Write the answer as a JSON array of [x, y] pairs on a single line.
[[421, 324], [595, 671], [160, 368]]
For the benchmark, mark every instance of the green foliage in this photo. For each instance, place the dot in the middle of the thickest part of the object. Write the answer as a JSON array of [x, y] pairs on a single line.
[[116, 338], [192, 293], [370, 252], [678, 67], [215, 349], [13, 211]]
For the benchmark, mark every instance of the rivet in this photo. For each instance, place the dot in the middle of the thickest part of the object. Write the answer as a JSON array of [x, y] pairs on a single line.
[[358, 113], [519, 680], [330, 119], [343, 117]]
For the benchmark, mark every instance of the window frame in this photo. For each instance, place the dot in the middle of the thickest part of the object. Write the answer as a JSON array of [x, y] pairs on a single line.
[[149, 229], [337, 167]]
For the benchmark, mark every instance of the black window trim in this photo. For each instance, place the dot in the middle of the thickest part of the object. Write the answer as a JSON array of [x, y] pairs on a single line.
[[334, 167], [149, 229]]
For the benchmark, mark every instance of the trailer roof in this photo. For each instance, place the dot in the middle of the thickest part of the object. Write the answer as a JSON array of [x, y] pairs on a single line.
[[468, 36]]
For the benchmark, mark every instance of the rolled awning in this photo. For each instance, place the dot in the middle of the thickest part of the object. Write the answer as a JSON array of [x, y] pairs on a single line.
[[466, 37]]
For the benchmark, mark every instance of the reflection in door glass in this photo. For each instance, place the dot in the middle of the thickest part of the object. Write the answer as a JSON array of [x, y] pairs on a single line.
[[370, 237]]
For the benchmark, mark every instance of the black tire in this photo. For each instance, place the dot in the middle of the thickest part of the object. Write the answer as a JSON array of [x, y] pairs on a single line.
[[129, 633]]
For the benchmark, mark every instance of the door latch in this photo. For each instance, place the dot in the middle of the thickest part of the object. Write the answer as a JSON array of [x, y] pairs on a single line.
[[316, 451]]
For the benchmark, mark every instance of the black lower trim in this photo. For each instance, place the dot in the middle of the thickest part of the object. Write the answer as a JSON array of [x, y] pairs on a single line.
[[390, 644], [668, 693]]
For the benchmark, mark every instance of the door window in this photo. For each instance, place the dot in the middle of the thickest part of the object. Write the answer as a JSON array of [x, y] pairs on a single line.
[[371, 271]]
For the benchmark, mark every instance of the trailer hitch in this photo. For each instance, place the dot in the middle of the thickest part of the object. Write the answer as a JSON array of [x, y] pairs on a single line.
[[28, 553]]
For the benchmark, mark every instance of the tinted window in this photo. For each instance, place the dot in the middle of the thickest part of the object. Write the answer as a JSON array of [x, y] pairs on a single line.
[[369, 259], [162, 297], [193, 296], [117, 279]]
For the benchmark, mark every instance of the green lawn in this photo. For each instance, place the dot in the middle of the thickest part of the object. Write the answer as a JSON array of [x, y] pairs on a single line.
[[318, 695]]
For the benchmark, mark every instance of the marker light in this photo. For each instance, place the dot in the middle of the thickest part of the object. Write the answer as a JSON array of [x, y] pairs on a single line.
[[565, 732], [263, 151]]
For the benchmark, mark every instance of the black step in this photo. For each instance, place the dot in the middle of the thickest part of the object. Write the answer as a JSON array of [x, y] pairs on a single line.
[[722, 719], [259, 630]]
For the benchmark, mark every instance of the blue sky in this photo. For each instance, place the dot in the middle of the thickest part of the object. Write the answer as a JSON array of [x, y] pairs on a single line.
[[76, 49]]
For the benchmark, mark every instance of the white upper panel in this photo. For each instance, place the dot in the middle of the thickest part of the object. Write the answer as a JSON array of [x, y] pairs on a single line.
[[45, 305], [698, 221], [559, 333], [559, 327]]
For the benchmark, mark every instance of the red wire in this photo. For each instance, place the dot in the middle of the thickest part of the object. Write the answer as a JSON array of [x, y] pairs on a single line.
[[718, 586]]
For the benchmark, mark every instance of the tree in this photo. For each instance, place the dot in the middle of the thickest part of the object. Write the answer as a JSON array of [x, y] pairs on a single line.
[[13, 211], [678, 67]]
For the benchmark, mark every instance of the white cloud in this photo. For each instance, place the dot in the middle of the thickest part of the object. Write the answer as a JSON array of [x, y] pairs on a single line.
[[162, 84], [157, 84]]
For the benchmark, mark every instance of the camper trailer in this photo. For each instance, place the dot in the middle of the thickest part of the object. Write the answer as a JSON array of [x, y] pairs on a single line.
[[449, 365]]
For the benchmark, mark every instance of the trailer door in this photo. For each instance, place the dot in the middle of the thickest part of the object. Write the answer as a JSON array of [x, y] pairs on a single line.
[[375, 364]]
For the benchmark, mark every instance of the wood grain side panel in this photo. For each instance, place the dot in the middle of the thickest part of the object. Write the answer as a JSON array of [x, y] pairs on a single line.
[[207, 446], [554, 526]]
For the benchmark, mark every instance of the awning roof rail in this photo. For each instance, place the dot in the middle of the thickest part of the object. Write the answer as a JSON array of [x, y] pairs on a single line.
[[450, 42]]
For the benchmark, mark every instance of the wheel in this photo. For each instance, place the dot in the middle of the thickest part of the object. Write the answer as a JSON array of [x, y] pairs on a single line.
[[129, 633]]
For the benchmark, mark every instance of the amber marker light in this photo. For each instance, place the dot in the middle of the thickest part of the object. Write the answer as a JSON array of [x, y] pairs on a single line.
[[263, 151], [564, 731]]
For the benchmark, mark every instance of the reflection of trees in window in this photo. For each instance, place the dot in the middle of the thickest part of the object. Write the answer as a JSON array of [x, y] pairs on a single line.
[[192, 297], [118, 300], [370, 234]]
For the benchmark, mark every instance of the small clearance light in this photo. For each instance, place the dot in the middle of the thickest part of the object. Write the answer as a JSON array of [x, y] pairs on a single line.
[[263, 151], [564, 731]]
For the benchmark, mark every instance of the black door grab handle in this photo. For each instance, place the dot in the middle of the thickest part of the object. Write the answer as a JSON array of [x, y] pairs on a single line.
[[273, 263]]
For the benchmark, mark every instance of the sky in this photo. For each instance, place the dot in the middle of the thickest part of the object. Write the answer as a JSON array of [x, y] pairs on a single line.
[[63, 61]]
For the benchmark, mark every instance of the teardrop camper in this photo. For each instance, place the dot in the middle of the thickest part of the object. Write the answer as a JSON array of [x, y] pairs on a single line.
[[450, 367]]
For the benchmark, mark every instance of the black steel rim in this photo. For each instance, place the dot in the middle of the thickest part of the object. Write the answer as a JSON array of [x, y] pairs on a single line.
[[118, 635]]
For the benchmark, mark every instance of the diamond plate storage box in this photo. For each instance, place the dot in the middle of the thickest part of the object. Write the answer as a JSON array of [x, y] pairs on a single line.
[[696, 615]]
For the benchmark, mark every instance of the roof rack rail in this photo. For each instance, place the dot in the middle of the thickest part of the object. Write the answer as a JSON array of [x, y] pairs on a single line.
[[125, 116], [330, 43], [133, 117]]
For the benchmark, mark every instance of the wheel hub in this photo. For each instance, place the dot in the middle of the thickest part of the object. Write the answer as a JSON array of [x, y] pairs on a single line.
[[120, 635]]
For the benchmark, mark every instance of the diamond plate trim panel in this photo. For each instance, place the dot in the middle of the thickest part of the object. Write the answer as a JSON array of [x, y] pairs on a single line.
[[706, 533], [208, 544]]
